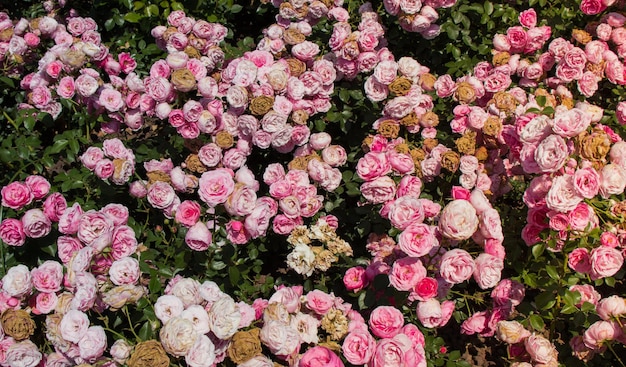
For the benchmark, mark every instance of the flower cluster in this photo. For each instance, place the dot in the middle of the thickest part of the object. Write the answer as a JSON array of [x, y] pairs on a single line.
[[418, 16], [526, 348]]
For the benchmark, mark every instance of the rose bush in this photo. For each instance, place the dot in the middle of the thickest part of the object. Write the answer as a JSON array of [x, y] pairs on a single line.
[[307, 183]]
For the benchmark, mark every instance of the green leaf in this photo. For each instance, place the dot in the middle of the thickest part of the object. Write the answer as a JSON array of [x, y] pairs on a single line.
[[538, 249], [138, 5], [233, 275], [8, 81], [133, 17], [177, 6], [545, 300], [145, 333], [569, 309], [488, 7], [552, 273], [59, 145], [152, 10], [536, 322], [610, 281], [236, 8]]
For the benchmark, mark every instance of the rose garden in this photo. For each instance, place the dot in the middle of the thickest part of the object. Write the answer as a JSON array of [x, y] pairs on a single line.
[[313, 183]]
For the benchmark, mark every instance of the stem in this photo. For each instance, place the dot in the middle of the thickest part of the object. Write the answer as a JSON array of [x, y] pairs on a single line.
[[610, 346], [10, 120], [3, 270], [130, 323]]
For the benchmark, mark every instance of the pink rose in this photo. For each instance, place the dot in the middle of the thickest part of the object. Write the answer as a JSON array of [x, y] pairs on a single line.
[[562, 195], [601, 332], [579, 260], [16, 195], [475, 324], [417, 239], [319, 356], [587, 182], [36, 223], [426, 288], [458, 220], [488, 270], [528, 18], [405, 211], [48, 276], [124, 271], [406, 273], [386, 321], [605, 262], [551, 153], [540, 349], [215, 186], [379, 190], [612, 307], [198, 237], [571, 122], [161, 195], [396, 352], [612, 180], [12, 232], [358, 347], [355, 279], [456, 266], [592, 7]]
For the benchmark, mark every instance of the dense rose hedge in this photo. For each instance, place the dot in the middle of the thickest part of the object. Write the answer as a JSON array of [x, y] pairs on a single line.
[[313, 183]]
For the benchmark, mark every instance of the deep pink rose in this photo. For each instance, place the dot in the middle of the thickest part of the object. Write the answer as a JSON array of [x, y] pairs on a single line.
[[16, 195], [355, 279], [320, 357], [12, 232]]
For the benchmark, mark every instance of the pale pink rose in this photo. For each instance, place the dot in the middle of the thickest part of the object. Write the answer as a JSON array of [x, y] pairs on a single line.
[[358, 347], [601, 332], [587, 294], [405, 211], [167, 307], [540, 348], [36, 224], [579, 260], [16, 195], [17, 282], [12, 232], [198, 237], [74, 325], [124, 271], [456, 266], [431, 314], [375, 90], [571, 122], [417, 239], [355, 279], [24, 353], [612, 180], [111, 99], [551, 153], [490, 224], [406, 273], [458, 220], [562, 195], [587, 182], [92, 225], [92, 345], [47, 277], [398, 351], [201, 353], [305, 51], [45, 303], [281, 339], [379, 190], [588, 84], [386, 321], [488, 270], [612, 307], [605, 262]]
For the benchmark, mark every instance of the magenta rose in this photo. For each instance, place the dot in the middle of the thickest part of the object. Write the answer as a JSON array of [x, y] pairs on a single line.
[[16, 195], [12, 232]]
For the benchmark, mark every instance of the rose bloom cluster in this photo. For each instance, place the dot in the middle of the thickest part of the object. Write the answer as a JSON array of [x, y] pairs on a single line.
[[599, 335], [360, 50], [112, 162], [418, 16], [96, 271], [64, 53], [526, 349]]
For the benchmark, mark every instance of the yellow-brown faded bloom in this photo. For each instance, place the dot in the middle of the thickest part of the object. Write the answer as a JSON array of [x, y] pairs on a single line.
[[402, 148], [17, 324], [389, 129], [324, 259], [466, 144], [299, 117], [418, 154], [155, 176], [194, 164], [450, 160], [429, 119], [224, 140], [594, 146], [400, 86], [183, 80], [296, 67], [335, 323], [500, 58], [492, 126], [427, 82], [465, 93], [299, 163], [192, 52], [261, 105], [430, 143], [581, 36], [550, 99], [481, 154], [504, 101], [410, 119], [148, 354], [6, 35], [244, 345]]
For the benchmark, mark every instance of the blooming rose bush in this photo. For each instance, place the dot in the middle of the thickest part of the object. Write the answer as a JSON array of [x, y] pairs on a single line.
[[189, 187]]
